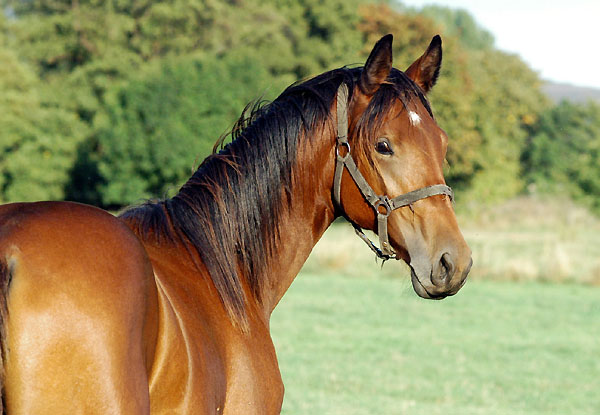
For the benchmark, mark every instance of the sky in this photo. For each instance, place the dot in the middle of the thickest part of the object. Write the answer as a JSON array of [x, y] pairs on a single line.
[[557, 38]]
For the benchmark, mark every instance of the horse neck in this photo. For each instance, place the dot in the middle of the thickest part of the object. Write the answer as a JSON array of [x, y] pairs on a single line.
[[253, 247], [309, 213]]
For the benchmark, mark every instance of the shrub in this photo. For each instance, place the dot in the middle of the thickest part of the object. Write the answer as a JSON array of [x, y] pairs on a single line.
[[563, 153], [157, 128]]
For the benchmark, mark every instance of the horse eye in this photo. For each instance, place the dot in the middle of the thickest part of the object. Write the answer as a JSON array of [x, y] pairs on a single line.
[[383, 147]]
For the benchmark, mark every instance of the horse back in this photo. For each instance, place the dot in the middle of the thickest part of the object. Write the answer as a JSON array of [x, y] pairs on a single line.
[[79, 298]]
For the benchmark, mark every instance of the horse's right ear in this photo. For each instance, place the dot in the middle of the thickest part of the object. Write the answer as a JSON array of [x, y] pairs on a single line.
[[378, 66], [425, 70]]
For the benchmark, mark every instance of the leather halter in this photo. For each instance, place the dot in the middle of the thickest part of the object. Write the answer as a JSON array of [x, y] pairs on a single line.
[[382, 205]]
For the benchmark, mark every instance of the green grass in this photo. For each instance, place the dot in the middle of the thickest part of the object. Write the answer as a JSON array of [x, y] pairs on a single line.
[[364, 346], [522, 336]]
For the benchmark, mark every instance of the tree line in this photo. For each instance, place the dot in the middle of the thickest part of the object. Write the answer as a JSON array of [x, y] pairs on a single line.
[[109, 102]]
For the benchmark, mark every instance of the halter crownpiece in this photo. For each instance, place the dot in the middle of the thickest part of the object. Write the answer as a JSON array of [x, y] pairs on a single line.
[[382, 205]]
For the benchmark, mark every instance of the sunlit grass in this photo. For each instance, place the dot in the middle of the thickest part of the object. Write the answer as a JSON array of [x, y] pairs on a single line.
[[534, 239], [362, 346]]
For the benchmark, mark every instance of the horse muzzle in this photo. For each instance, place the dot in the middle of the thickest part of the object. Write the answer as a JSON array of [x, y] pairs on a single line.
[[443, 279]]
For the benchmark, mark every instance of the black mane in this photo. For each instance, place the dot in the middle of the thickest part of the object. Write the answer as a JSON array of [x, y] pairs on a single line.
[[229, 210]]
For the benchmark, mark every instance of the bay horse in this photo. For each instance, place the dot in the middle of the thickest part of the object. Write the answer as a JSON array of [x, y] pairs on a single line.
[[165, 309]]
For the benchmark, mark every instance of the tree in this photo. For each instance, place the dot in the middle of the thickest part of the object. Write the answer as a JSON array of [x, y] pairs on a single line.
[[38, 141], [508, 99], [155, 130], [563, 152], [83, 49], [97, 60]]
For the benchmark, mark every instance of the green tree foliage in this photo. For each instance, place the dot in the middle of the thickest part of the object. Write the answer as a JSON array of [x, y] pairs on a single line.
[[92, 44], [155, 129], [502, 114], [321, 33], [38, 140], [126, 97], [564, 152], [83, 49]]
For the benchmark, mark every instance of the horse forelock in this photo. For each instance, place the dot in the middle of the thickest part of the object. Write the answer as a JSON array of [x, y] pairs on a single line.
[[398, 90]]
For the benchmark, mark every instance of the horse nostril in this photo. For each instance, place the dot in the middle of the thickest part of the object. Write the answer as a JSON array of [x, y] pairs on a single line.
[[447, 268], [443, 273]]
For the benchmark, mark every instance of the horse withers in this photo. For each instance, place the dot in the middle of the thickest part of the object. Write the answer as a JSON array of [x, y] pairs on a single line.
[[165, 309]]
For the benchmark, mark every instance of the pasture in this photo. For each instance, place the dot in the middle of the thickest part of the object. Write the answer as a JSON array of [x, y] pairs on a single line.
[[355, 340]]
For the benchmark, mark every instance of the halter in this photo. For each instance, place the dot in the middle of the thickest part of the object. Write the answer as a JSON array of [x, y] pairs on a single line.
[[382, 205]]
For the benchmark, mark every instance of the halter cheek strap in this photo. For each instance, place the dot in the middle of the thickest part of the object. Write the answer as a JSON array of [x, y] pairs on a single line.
[[382, 205]]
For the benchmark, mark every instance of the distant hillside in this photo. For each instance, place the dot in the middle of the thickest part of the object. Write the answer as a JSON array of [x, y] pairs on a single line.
[[558, 92]]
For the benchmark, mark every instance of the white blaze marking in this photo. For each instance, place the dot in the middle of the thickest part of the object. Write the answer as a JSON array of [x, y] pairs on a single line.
[[415, 119]]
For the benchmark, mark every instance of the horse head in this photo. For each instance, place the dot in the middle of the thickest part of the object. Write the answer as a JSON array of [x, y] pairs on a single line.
[[389, 174]]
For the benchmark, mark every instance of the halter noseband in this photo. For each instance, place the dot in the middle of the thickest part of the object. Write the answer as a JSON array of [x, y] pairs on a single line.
[[382, 205]]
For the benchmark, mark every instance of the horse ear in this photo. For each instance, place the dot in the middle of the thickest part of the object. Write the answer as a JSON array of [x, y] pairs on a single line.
[[378, 66], [425, 70]]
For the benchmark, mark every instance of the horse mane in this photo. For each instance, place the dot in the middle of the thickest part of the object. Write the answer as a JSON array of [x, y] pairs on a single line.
[[229, 210]]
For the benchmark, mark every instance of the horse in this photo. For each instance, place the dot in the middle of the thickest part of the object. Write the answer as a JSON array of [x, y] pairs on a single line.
[[165, 308]]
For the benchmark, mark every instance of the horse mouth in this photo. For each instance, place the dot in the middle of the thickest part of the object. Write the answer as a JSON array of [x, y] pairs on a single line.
[[421, 290]]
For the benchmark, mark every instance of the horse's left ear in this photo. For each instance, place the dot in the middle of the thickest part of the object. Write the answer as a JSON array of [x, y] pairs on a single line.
[[378, 66], [425, 70]]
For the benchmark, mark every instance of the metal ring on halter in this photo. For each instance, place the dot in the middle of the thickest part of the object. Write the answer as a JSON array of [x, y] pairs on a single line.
[[383, 201], [337, 150]]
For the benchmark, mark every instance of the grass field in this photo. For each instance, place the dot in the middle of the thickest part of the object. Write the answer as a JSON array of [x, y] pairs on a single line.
[[352, 339], [364, 346]]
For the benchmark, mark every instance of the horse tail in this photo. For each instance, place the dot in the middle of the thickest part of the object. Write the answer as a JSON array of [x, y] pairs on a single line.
[[5, 277]]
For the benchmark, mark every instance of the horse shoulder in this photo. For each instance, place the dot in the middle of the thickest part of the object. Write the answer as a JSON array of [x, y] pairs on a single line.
[[203, 360], [188, 373]]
